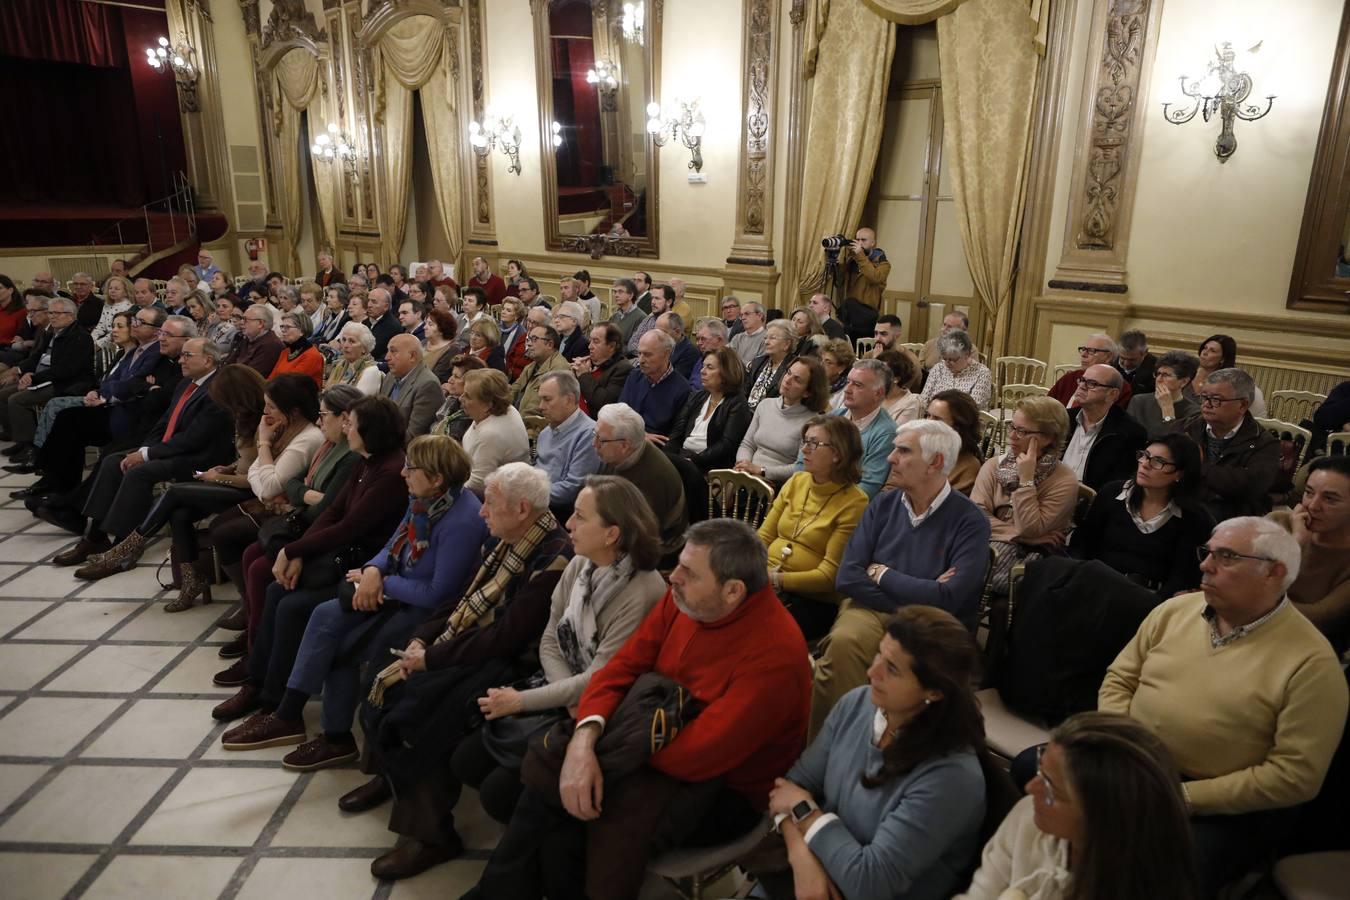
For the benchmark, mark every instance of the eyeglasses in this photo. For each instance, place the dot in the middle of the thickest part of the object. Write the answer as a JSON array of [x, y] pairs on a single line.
[[1225, 557], [1156, 462], [1082, 350], [600, 440], [1093, 385], [813, 444], [1022, 432], [1045, 780], [1216, 400]]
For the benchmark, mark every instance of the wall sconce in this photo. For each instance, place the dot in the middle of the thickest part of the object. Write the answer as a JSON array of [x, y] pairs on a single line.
[[605, 76], [499, 131], [336, 145], [557, 134], [180, 59], [630, 21], [687, 125], [1223, 90]]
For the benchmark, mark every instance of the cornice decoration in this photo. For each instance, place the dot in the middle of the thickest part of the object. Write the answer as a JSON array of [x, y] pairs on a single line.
[[797, 13], [758, 103], [361, 64], [252, 26], [483, 202], [598, 245], [1119, 71], [291, 22], [384, 13]]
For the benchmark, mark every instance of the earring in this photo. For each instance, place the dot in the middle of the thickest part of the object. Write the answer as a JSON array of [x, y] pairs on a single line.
[[927, 701]]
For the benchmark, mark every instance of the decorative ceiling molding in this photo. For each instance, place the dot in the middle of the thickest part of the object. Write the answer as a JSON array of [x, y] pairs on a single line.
[[292, 25], [382, 16]]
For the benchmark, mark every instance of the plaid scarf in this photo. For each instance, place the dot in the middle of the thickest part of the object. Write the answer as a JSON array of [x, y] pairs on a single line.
[[415, 531]]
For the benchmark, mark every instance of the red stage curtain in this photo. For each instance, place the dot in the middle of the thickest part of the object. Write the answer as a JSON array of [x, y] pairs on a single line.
[[62, 31]]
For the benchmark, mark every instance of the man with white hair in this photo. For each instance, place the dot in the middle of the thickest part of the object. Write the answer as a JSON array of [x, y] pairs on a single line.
[[1241, 460], [411, 385], [654, 388], [1103, 440], [1097, 349], [684, 357], [260, 347], [488, 281], [567, 319], [206, 266], [436, 274], [89, 309], [952, 321], [709, 334], [60, 365], [383, 321], [922, 544], [567, 446], [869, 381], [679, 305], [176, 292], [749, 344], [1245, 692], [621, 442]]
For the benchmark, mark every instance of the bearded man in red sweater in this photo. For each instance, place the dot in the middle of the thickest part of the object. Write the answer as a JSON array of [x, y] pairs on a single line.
[[721, 633]]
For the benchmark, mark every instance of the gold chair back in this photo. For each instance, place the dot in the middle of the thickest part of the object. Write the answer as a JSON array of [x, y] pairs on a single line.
[[1286, 431], [1293, 406], [864, 345], [993, 434], [1338, 444], [1012, 393], [915, 347], [1060, 370], [738, 495], [1010, 370]]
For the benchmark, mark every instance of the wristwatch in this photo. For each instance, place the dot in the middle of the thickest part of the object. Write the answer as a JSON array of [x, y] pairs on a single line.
[[802, 810]]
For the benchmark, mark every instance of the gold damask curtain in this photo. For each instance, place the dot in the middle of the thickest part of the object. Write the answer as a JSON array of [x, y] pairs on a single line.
[[848, 112], [917, 12], [298, 79], [989, 57], [418, 54]]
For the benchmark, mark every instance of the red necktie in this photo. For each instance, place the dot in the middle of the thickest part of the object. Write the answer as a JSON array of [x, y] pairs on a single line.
[[178, 409]]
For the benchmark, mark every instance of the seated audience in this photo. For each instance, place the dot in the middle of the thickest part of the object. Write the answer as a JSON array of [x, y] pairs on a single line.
[[731, 316], [1097, 350], [604, 370], [479, 636], [902, 404], [765, 373], [1103, 440], [542, 349], [812, 519], [431, 554], [1077, 832], [604, 593], [411, 385], [192, 435], [1331, 417], [956, 410], [654, 389], [512, 327], [117, 291], [627, 315], [749, 343], [622, 445], [332, 315], [566, 446], [220, 324], [959, 371], [868, 383], [199, 311], [451, 419], [328, 273], [412, 317], [260, 348], [685, 357], [952, 321], [1135, 364], [1321, 525], [837, 357], [309, 567], [720, 634], [822, 307], [12, 310], [887, 333], [484, 342], [1171, 399], [889, 798], [774, 438], [487, 281], [497, 435], [1149, 527], [299, 356], [30, 330], [1241, 459], [383, 323], [808, 331], [1271, 689], [1027, 494], [710, 427], [515, 273], [355, 365], [61, 364], [920, 544], [567, 319], [661, 302], [1218, 352], [709, 334], [441, 346]]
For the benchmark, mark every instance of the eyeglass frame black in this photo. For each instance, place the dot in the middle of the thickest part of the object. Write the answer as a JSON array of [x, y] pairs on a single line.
[[1203, 552]]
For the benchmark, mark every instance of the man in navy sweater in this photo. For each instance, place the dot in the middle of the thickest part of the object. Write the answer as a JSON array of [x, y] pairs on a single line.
[[654, 389], [923, 544]]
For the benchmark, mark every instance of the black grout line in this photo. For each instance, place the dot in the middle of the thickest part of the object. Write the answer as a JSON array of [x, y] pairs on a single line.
[[212, 851], [269, 831]]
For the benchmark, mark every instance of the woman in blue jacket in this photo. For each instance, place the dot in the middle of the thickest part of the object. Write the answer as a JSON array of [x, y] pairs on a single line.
[[431, 556]]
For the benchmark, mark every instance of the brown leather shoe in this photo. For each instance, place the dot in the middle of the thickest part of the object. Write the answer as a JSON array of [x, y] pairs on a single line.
[[320, 753], [367, 796], [80, 553], [262, 731], [234, 676], [236, 648], [237, 620], [247, 700], [412, 857]]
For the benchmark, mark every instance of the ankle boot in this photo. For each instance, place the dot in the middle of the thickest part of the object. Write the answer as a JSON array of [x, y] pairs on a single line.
[[195, 585], [119, 559]]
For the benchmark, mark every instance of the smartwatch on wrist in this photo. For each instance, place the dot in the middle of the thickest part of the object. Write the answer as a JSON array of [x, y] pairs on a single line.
[[803, 810]]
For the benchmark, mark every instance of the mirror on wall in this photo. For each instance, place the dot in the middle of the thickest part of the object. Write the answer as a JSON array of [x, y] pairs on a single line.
[[598, 66]]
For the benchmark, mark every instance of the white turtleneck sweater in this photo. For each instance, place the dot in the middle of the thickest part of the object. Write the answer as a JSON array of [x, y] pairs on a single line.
[[1021, 862]]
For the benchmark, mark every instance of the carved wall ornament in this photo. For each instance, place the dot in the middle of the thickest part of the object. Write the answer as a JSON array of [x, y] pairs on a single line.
[[598, 245], [251, 21], [1119, 71], [757, 106], [797, 13], [482, 199], [291, 21]]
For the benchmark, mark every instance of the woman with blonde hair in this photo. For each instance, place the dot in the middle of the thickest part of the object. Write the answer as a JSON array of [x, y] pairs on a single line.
[[766, 371], [1027, 494], [838, 357], [497, 435], [811, 337], [485, 343], [117, 292]]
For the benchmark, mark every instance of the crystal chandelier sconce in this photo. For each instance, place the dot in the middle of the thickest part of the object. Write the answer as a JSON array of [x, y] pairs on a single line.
[[605, 76], [630, 22], [181, 60], [685, 122], [557, 134], [501, 131], [1223, 91], [336, 146]]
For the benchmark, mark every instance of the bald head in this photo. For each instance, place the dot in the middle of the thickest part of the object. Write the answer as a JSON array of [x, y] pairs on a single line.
[[403, 354]]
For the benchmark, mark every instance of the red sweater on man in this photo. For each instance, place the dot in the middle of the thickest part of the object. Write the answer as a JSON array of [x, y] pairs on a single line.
[[493, 286], [1063, 389], [752, 671]]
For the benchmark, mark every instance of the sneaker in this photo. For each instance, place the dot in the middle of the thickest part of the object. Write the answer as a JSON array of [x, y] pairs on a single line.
[[234, 676], [247, 700], [320, 753], [261, 731]]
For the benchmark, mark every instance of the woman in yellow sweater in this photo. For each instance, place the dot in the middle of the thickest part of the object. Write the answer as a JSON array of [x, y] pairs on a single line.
[[811, 521]]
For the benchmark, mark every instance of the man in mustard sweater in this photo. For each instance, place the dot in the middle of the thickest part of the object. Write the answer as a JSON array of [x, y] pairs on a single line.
[[1244, 690]]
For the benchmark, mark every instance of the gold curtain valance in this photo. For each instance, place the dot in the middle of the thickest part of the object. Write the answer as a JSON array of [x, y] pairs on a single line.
[[411, 50], [297, 75]]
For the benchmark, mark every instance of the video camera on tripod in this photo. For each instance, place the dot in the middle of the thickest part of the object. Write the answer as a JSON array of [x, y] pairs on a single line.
[[834, 243]]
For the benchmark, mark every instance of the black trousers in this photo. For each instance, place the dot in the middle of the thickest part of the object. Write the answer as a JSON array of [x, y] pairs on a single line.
[[498, 787], [61, 458], [280, 631], [185, 504], [118, 501]]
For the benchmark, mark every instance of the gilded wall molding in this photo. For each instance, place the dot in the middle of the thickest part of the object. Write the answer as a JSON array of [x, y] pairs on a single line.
[[1123, 39], [383, 14], [290, 21], [794, 121], [753, 242], [252, 23], [482, 184]]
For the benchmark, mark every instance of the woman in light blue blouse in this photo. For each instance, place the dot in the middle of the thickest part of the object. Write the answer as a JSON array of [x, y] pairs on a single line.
[[888, 801]]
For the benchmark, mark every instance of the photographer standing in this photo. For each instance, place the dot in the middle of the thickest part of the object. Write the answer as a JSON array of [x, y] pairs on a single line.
[[862, 270]]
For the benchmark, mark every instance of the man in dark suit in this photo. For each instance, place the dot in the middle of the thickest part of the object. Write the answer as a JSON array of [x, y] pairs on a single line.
[[383, 324], [643, 280], [193, 435], [1102, 438], [260, 347], [1136, 363], [122, 411], [820, 305], [61, 364]]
